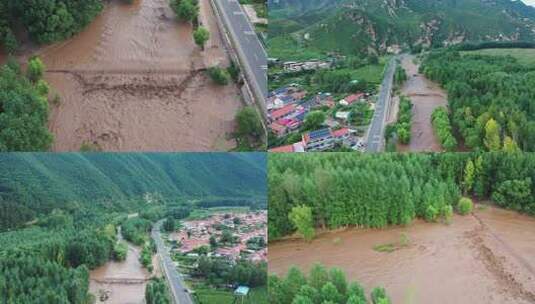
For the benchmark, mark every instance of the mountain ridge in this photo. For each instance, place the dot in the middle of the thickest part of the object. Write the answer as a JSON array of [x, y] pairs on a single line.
[[389, 26]]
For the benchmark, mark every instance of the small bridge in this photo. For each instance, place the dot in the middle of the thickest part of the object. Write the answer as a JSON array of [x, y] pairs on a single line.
[[122, 281]]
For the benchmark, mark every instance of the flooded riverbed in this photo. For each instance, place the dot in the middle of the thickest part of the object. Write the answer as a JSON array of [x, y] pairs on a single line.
[[134, 80], [485, 258], [426, 97], [120, 282]]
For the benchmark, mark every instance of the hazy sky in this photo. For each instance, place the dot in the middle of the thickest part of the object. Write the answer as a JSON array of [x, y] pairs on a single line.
[[530, 2]]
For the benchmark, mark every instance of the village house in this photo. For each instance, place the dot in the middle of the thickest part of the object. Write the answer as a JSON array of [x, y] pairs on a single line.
[[284, 112], [351, 99], [343, 115], [298, 66], [284, 96], [318, 141], [294, 148]]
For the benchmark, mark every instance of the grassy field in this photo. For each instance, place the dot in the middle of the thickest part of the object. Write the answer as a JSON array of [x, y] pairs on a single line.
[[524, 56], [211, 296], [286, 48]]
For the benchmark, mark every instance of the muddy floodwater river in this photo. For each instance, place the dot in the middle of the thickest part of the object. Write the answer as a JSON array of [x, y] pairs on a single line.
[[134, 80], [426, 96], [488, 257], [120, 282]]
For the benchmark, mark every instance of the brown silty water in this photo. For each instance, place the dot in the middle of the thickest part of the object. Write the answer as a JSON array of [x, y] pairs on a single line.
[[426, 97], [483, 258], [120, 282], [134, 80]]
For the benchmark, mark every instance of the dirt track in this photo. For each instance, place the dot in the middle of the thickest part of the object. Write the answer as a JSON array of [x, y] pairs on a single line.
[[134, 81], [486, 258]]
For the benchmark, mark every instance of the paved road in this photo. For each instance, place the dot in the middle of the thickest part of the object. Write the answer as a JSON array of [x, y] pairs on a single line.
[[377, 127], [173, 277], [247, 43]]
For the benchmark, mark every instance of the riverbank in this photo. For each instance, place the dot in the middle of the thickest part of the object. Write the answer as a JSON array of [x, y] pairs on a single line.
[[122, 282], [134, 80], [426, 96], [483, 258]]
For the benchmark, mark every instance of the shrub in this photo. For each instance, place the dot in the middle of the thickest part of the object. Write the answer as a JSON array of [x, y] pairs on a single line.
[[431, 213], [219, 76], [35, 70], [465, 206], [447, 213], [201, 35]]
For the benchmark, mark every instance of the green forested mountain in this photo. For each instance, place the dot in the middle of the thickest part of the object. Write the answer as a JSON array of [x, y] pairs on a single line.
[[32, 184], [357, 26], [67, 208], [345, 189]]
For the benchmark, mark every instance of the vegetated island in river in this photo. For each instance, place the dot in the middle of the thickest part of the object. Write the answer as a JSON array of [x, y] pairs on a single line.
[[393, 217]]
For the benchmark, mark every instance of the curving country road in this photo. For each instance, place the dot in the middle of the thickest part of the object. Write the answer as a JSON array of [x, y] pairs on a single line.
[[176, 282], [377, 127]]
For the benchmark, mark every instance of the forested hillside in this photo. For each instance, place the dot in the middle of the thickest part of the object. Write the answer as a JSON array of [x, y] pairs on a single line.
[[391, 189], [67, 207], [44, 21], [33, 184], [363, 26], [491, 98]]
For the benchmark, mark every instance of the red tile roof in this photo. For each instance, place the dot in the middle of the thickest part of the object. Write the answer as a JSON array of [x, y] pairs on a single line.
[[341, 132], [352, 98], [275, 115], [283, 149]]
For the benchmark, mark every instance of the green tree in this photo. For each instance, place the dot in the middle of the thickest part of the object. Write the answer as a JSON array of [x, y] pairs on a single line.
[[465, 206], [318, 276], [469, 175], [35, 69], [10, 42], [169, 224], [509, 145], [249, 122], [213, 242], [301, 218], [120, 250], [314, 120], [219, 75], [330, 293], [186, 10], [201, 36], [492, 135]]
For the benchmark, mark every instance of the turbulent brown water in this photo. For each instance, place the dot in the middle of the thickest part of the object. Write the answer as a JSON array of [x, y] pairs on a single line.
[[134, 80], [485, 258], [122, 282], [426, 97]]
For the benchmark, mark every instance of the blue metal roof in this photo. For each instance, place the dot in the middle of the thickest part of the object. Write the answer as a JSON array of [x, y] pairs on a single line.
[[241, 291], [319, 134]]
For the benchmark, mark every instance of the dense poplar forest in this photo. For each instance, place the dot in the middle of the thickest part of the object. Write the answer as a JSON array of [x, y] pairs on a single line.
[[24, 108], [60, 213], [491, 98], [392, 189], [321, 285], [45, 21]]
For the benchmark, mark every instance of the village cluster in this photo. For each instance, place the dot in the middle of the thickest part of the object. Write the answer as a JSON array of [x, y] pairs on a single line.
[[289, 106], [247, 231]]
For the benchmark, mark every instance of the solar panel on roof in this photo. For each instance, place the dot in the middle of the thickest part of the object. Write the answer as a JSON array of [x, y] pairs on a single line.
[[319, 133]]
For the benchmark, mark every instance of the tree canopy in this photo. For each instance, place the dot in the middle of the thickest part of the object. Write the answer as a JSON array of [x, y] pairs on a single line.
[[491, 99], [346, 189]]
